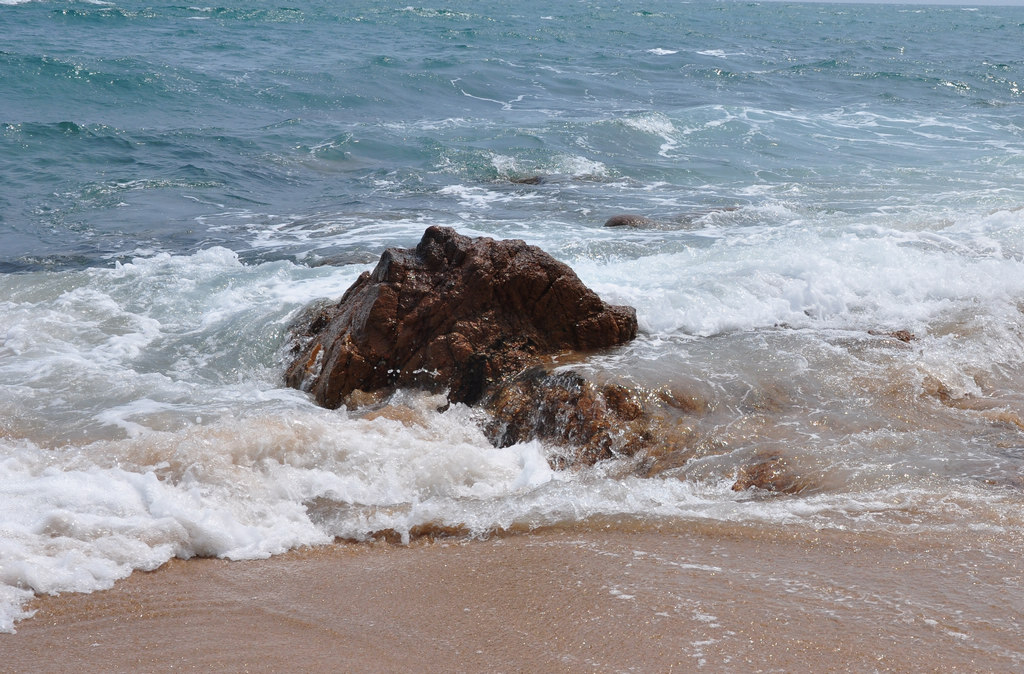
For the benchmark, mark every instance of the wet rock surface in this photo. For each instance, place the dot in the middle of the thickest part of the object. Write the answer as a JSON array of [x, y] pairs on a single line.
[[905, 336], [503, 326], [629, 220], [773, 472], [592, 420], [598, 422], [453, 313]]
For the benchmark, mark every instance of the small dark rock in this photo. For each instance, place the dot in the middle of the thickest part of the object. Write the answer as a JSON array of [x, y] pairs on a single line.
[[771, 471], [902, 335], [629, 220], [343, 259], [527, 180]]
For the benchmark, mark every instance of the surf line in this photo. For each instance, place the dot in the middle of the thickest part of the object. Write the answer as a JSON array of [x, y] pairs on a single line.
[[505, 105]]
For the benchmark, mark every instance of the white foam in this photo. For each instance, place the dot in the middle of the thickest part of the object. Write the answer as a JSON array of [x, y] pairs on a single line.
[[475, 197], [576, 166], [430, 124], [656, 124], [284, 474], [73, 525], [480, 198], [430, 13], [798, 274], [557, 164], [144, 416], [80, 518], [504, 164]]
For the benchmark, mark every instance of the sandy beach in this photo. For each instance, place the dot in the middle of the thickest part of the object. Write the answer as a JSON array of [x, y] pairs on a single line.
[[607, 597]]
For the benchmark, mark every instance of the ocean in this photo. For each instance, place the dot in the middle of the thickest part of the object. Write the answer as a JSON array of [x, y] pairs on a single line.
[[835, 270]]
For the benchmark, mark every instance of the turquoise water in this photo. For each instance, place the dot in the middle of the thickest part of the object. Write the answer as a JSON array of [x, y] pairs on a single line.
[[131, 127], [173, 180]]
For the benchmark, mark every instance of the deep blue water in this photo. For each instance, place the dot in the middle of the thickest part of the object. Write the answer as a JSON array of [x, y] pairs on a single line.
[[133, 127]]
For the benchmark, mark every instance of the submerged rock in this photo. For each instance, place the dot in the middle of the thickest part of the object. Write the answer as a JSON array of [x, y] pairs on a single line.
[[773, 472], [596, 422], [902, 335], [594, 419], [527, 180], [629, 220], [683, 221], [454, 313]]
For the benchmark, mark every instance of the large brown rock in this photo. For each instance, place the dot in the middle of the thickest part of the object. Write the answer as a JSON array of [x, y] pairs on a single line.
[[454, 313]]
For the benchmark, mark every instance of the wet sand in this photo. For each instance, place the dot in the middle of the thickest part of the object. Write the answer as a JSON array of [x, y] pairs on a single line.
[[605, 597]]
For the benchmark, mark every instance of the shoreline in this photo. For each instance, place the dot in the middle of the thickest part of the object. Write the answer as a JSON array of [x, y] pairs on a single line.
[[603, 597]]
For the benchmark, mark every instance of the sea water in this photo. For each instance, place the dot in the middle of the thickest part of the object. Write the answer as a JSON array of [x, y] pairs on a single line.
[[177, 182]]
